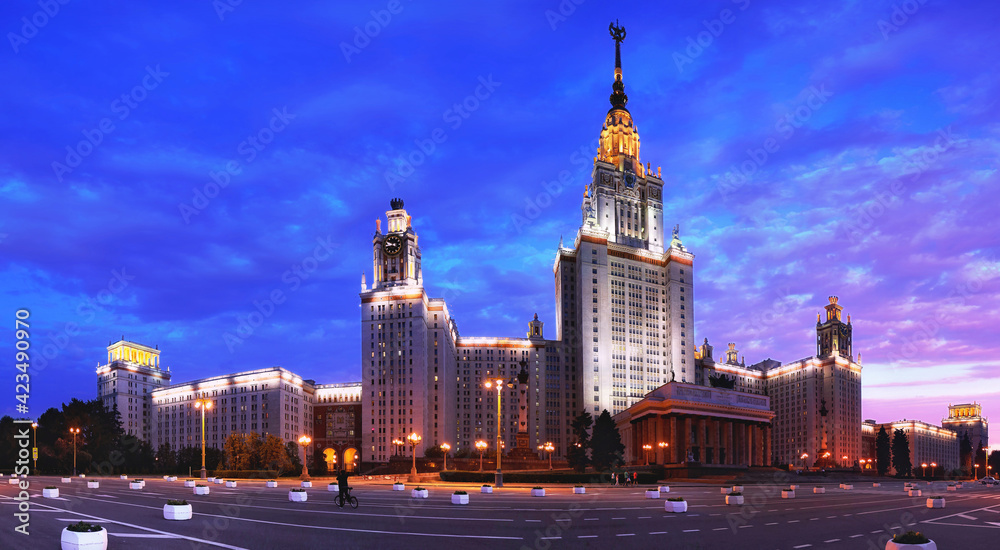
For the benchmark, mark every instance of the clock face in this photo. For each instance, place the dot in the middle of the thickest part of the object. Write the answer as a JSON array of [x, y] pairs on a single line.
[[392, 245], [629, 178]]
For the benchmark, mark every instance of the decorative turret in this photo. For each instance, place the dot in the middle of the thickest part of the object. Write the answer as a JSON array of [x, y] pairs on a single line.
[[833, 336], [619, 143]]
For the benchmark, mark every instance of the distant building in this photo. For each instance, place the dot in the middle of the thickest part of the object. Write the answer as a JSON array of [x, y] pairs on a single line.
[[265, 401], [132, 372], [816, 400], [928, 444], [869, 435], [967, 418]]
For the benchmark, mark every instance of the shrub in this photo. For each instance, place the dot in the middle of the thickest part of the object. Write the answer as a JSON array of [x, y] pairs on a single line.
[[486, 485], [177, 502], [82, 527], [298, 490], [461, 493], [578, 486], [138, 479], [249, 474], [420, 489], [333, 483], [200, 485], [937, 497], [536, 488], [51, 487], [910, 537], [676, 499], [273, 481], [735, 494], [788, 489]]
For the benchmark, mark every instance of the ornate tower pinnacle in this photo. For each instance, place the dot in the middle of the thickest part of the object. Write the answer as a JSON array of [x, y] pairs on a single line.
[[618, 98]]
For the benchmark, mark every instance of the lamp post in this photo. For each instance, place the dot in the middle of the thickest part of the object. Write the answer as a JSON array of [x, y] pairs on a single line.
[[399, 445], [74, 431], [663, 449], [305, 441], [203, 404], [845, 460], [481, 446], [933, 468], [803, 458], [647, 447], [975, 473], [34, 447], [923, 470], [499, 383], [445, 447], [548, 447], [413, 439]]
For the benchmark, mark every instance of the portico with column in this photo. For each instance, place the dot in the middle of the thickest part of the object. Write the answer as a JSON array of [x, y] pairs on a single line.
[[700, 425]]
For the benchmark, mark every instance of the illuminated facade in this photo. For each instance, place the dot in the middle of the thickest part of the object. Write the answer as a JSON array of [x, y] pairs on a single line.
[[928, 444], [624, 296], [967, 419], [265, 401], [337, 425], [126, 381]]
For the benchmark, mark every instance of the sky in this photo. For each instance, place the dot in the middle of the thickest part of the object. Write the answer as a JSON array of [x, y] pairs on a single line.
[[164, 168]]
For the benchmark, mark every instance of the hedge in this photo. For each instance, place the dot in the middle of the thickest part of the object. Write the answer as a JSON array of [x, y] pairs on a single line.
[[245, 474], [645, 478]]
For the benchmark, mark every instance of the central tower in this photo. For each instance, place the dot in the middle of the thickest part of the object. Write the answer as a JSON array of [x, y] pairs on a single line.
[[624, 296]]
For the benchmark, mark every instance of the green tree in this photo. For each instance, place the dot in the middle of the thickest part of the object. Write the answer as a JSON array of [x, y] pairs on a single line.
[[292, 452], [606, 449], [576, 452], [901, 454], [883, 452], [434, 452], [273, 455], [980, 454], [237, 450]]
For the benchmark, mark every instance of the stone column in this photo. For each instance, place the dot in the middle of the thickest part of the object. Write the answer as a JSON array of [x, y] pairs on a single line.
[[741, 445], [702, 435], [686, 439], [672, 450], [767, 445], [730, 459]]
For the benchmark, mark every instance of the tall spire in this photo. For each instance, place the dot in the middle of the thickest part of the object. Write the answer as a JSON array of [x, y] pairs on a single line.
[[618, 98]]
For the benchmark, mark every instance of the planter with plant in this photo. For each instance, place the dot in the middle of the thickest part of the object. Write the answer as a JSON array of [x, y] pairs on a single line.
[[231, 484], [66, 479], [788, 493], [675, 505], [487, 489], [952, 487], [460, 497], [664, 488], [177, 510], [914, 492], [398, 486], [50, 492], [136, 485], [652, 493], [297, 495], [876, 485], [538, 491], [579, 490], [219, 481], [189, 483], [910, 540], [737, 488], [93, 484], [419, 492], [734, 498], [84, 536], [306, 484], [271, 483], [200, 489]]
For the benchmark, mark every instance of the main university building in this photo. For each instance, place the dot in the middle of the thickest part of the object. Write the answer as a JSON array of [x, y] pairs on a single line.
[[623, 342]]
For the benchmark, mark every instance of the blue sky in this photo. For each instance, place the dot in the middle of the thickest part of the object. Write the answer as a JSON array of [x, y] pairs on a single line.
[[869, 134]]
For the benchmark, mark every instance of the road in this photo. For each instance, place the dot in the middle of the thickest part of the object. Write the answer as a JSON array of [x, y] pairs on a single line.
[[254, 517]]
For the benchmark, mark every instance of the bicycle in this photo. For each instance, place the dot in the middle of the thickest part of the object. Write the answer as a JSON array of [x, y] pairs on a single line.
[[342, 500]]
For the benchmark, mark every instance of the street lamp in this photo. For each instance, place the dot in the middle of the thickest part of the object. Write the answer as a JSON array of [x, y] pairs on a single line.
[[481, 446], [305, 441], [445, 447], [203, 404], [975, 474], [923, 471], [845, 460], [663, 448], [34, 448], [414, 439], [647, 447], [803, 458], [399, 445], [499, 383], [548, 447], [74, 431], [933, 467]]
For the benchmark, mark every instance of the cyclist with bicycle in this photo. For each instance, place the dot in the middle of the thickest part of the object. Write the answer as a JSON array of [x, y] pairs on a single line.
[[344, 490]]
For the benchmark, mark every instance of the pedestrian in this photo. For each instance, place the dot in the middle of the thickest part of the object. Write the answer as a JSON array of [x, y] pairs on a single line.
[[635, 478], [614, 478], [342, 487]]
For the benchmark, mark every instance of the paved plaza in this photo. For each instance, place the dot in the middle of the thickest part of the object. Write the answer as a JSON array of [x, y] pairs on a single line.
[[253, 516]]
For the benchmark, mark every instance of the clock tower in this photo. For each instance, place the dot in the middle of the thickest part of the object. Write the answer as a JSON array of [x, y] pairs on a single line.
[[395, 254], [833, 337]]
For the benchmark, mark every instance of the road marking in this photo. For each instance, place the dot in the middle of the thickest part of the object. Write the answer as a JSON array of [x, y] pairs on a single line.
[[856, 536], [549, 538], [657, 532], [533, 520], [138, 535], [721, 529], [772, 523], [691, 530], [644, 517], [617, 518], [745, 526], [813, 519], [831, 541], [876, 531], [625, 535], [831, 517], [964, 516], [586, 536], [591, 519], [793, 521], [802, 546]]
